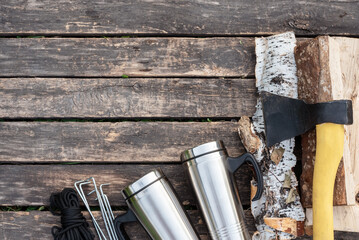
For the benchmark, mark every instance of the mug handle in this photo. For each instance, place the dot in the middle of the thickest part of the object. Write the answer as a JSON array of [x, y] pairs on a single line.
[[236, 162], [119, 222]]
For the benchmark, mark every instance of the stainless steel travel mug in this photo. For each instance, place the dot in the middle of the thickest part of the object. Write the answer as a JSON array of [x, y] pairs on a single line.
[[153, 202], [211, 172]]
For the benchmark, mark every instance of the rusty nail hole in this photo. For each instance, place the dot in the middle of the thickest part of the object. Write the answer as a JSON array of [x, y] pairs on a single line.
[[357, 198]]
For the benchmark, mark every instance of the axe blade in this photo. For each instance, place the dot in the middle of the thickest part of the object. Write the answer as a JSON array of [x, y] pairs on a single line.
[[285, 118]]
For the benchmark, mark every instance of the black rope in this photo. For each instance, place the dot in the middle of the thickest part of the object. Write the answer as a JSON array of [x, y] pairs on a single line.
[[74, 226]]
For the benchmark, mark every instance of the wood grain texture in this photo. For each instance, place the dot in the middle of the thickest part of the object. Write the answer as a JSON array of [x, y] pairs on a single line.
[[126, 98], [349, 64], [27, 185], [101, 57], [315, 85], [334, 68], [190, 17], [37, 225], [346, 218], [135, 142]]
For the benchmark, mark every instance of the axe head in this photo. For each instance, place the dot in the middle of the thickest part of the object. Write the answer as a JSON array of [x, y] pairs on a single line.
[[285, 117]]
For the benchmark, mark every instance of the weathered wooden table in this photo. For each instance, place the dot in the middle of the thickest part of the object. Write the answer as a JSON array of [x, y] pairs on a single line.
[[113, 89]]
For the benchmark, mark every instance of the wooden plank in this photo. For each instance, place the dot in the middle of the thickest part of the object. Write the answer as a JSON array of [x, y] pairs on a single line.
[[103, 57], [28, 185], [37, 225], [110, 142], [169, 18], [126, 98]]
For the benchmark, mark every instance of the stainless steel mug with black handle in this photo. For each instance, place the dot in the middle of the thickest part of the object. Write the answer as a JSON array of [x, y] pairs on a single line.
[[211, 173], [153, 202]]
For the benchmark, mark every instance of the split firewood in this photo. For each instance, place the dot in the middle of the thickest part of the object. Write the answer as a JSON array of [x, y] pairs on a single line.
[[315, 86], [328, 69], [280, 204], [288, 225], [250, 140]]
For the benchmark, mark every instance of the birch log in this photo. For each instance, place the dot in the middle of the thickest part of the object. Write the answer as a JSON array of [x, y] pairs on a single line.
[[280, 202]]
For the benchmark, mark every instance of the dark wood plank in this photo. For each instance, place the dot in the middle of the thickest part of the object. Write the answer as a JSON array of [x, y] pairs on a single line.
[[338, 235], [170, 17], [26, 185], [135, 142], [126, 98], [37, 225], [100, 57]]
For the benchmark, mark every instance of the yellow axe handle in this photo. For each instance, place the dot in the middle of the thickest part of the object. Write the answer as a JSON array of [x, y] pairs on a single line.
[[330, 145]]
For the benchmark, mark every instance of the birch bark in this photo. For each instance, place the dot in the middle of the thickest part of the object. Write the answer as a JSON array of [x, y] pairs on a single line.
[[275, 73]]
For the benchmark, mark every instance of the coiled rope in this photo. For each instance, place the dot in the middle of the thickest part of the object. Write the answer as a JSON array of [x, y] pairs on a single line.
[[74, 226]]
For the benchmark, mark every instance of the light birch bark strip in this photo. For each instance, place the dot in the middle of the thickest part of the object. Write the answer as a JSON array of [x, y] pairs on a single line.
[[275, 73]]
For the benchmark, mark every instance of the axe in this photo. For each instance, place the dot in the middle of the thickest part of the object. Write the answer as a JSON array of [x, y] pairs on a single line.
[[285, 118]]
